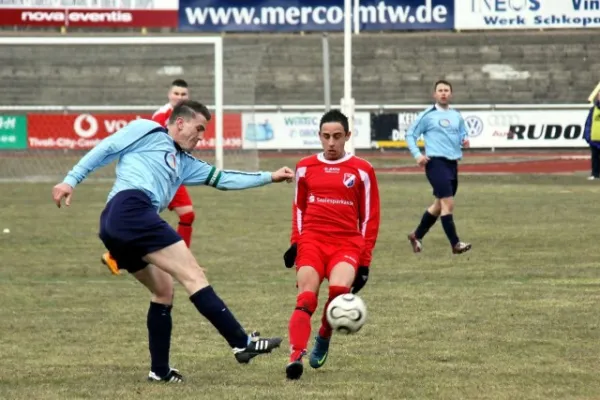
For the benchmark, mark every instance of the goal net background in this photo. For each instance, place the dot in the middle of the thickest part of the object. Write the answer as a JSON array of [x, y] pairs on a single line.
[[73, 95]]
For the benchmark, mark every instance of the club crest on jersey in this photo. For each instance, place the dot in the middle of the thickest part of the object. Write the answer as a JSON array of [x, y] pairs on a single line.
[[171, 160], [349, 180], [444, 123]]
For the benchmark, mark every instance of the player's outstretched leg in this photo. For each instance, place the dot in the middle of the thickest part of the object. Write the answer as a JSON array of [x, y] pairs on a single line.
[[159, 323], [427, 221], [178, 261], [340, 281], [447, 219], [299, 327], [110, 263]]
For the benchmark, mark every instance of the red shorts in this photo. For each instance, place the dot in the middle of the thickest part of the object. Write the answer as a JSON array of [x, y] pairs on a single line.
[[181, 199], [324, 256]]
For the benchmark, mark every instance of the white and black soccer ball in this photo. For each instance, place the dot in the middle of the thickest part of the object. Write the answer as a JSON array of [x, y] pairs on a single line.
[[347, 313]]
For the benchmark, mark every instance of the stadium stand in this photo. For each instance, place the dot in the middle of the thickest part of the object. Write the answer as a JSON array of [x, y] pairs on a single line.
[[398, 68]]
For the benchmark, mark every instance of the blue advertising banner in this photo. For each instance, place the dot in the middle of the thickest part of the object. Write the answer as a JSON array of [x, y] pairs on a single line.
[[312, 15]]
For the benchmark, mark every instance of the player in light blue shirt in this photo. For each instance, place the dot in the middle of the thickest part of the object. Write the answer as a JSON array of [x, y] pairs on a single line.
[[443, 130], [152, 163], [444, 134]]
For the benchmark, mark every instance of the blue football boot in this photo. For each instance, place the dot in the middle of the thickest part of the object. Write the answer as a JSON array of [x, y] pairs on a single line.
[[319, 353]]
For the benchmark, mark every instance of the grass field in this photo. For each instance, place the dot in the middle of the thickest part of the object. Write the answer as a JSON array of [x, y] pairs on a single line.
[[516, 318]]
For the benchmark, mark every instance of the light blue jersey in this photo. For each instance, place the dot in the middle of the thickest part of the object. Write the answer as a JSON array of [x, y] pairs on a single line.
[[443, 132], [150, 161]]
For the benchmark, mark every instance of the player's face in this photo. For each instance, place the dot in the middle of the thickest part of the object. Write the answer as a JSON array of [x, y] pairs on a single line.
[[442, 94], [190, 131], [177, 93], [333, 139]]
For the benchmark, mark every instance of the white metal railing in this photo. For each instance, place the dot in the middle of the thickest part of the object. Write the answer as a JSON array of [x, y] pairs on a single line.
[[291, 107]]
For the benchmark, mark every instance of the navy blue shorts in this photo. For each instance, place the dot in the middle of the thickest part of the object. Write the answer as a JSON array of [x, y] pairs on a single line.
[[442, 174], [130, 228]]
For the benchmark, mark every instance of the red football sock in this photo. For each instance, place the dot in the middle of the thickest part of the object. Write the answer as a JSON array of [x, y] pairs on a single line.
[[299, 327], [334, 291], [185, 227]]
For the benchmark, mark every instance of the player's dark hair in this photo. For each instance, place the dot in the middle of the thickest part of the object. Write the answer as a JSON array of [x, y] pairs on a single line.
[[189, 109], [335, 116], [179, 83], [442, 82]]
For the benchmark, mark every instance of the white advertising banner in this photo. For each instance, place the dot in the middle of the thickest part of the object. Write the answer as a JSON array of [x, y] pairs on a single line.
[[526, 14], [525, 129], [295, 130]]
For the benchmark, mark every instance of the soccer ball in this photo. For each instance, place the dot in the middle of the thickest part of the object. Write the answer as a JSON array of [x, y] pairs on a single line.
[[347, 313]]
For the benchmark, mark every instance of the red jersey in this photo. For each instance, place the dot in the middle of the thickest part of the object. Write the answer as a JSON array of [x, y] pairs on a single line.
[[162, 114], [337, 199]]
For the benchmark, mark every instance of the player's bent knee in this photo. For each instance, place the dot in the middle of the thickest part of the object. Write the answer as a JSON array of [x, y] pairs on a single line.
[[447, 205], [164, 291], [178, 261], [191, 277], [307, 301], [158, 282], [435, 208], [342, 274], [308, 279], [187, 218], [163, 299]]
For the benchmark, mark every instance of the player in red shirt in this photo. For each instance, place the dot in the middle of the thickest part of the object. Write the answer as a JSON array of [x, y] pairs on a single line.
[[182, 202], [335, 223]]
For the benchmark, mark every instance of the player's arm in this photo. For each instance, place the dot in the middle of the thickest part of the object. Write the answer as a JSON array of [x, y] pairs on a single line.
[[298, 210], [368, 222], [587, 127], [369, 216], [299, 204], [416, 129], [108, 150], [197, 172], [462, 131]]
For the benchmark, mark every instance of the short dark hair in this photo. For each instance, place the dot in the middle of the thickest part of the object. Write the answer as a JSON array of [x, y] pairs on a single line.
[[335, 116], [179, 83], [442, 82], [188, 109]]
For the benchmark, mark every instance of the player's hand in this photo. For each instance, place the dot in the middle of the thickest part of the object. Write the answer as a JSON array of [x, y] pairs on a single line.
[[466, 144], [422, 160], [362, 276], [289, 257], [60, 191], [282, 174]]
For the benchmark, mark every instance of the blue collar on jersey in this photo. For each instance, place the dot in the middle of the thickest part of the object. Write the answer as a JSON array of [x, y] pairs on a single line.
[[165, 131]]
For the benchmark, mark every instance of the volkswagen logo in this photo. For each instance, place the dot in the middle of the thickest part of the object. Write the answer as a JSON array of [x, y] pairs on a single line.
[[473, 125]]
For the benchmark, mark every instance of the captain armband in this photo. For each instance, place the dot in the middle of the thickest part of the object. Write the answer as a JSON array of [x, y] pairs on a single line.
[[214, 176]]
